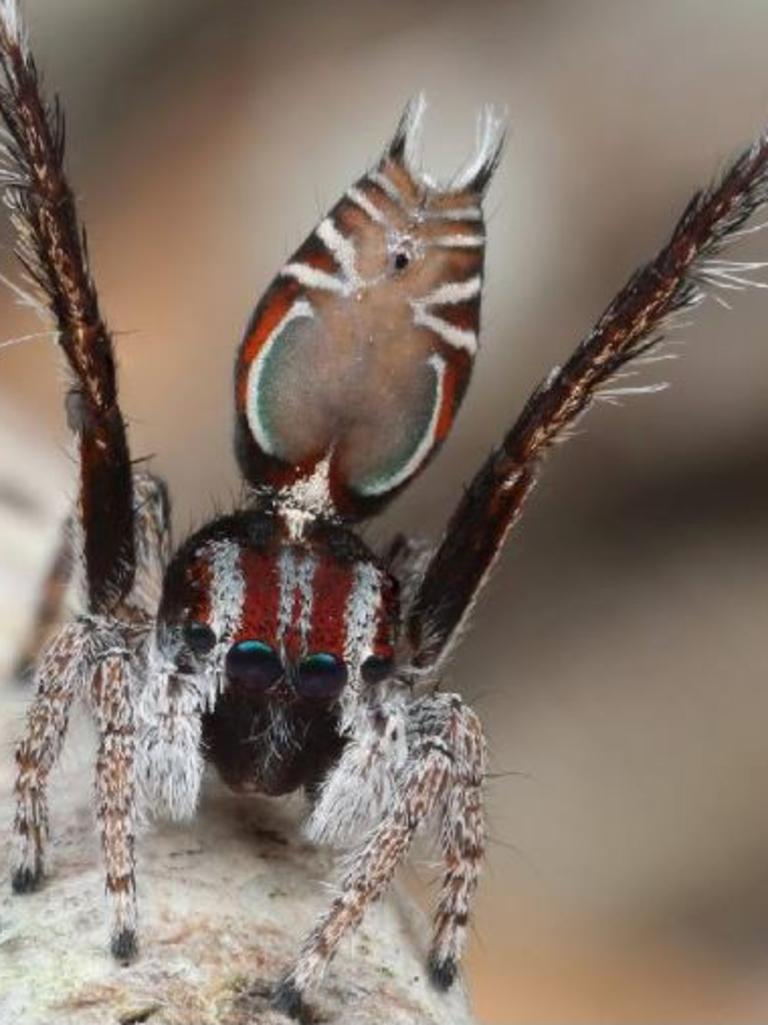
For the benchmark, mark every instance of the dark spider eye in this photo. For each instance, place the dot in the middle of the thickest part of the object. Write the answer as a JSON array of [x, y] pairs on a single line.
[[253, 664], [402, 259], [199, 637], [321, 676], [375, 669]]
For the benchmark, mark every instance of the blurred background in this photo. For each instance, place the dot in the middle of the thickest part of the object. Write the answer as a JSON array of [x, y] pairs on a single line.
[[618, 656]]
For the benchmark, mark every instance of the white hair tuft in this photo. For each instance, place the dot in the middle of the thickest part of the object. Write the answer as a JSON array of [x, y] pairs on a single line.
[[477, 172], [491, 133], [10, 15], [406, 142]]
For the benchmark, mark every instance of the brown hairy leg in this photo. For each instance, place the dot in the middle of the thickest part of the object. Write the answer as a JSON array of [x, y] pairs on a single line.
[[90, 659], [51, 247], [684, 270], [112, 704], [443, 775], [59, 679]]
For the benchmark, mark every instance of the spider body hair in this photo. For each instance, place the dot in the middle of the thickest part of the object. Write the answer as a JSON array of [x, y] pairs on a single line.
[[274, 641]]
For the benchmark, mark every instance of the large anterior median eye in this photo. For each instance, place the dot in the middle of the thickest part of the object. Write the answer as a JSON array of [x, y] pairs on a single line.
[[253, 664], [321, 676]]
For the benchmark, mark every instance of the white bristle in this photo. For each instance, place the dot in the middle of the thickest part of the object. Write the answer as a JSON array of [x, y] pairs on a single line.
[[11, 19], [491, 131]]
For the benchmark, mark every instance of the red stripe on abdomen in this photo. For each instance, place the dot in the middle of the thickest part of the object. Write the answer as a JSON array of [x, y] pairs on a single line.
[[270, 311]]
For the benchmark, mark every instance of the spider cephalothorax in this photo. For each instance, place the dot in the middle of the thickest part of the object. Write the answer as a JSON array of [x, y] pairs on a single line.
[[288, 633], [274, 641]]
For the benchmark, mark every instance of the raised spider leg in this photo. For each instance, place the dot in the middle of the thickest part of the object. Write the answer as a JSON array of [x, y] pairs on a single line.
[[52, 249], [443, 774], [630, 328]]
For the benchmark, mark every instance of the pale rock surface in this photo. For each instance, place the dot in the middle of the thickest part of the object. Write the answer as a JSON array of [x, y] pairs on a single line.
[[223, 903]]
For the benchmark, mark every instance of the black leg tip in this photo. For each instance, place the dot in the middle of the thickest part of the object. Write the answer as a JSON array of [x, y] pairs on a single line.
[[286, 998], [26, 880], [125, 946], [442, 974]]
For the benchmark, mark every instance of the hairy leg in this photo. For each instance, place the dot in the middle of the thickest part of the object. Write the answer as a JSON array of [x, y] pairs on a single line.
[[60, 679], [443, 774], [64, 670], [462, 841], [52, 249], [91, 658], [111, 697]]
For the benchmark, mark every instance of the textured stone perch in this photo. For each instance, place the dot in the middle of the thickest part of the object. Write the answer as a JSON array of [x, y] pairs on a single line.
[[223, 903]]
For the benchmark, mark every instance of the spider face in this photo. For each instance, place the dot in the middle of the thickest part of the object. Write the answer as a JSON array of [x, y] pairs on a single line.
[[280, 620]]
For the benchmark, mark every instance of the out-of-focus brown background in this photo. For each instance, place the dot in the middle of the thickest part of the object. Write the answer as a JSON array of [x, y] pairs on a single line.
[[618, 657]]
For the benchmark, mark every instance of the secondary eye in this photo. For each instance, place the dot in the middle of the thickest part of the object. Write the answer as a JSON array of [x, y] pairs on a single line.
[[199, 637], [321, 676], [375, 669], [253, 664], [401, 251]]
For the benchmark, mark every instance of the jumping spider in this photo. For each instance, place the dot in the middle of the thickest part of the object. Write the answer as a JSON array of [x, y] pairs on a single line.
[[274, 642]]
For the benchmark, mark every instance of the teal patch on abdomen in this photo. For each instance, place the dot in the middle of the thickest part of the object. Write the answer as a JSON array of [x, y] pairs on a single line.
[[411, 433], [286, 409], [309, 394]]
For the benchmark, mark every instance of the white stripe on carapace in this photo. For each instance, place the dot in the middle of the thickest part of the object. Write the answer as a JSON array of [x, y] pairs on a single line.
[[456, 242], [296, 571], [305, 576], [456, 337], [313, 277], [361, 615], [388, 187], [227, 590], [342, 249], [301, 308], [451, 292], [359, 198], [427, 442]]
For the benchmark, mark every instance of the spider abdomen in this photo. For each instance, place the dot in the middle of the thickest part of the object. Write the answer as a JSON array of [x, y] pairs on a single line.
[[360, 351]]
